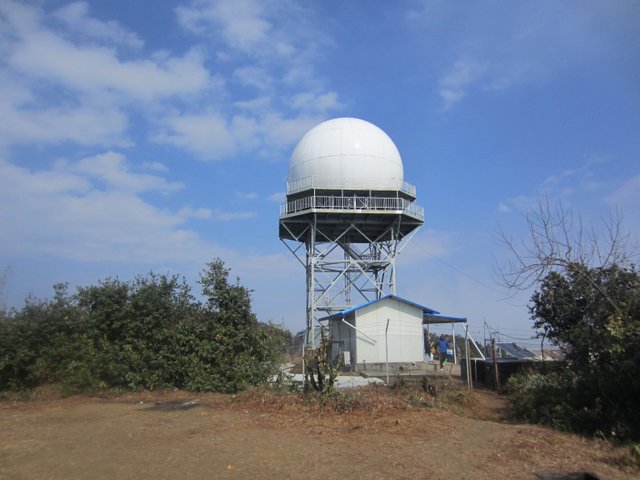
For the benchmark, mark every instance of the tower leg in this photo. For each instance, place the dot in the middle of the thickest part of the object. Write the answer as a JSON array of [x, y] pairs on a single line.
[[310, 267]]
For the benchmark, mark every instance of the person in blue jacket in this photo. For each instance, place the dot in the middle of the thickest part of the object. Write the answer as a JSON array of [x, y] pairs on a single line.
[[443, 346]]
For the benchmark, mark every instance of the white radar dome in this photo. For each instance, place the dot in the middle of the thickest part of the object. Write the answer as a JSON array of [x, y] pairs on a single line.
[[345, 153]]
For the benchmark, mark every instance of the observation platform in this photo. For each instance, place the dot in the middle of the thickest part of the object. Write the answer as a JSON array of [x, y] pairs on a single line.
[[370, 214]]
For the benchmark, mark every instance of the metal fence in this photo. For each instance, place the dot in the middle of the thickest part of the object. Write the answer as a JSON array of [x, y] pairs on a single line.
[[338, 183], [354, 204]]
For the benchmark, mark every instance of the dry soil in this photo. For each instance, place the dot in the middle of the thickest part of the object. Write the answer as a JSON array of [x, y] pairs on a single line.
[[174, 435]]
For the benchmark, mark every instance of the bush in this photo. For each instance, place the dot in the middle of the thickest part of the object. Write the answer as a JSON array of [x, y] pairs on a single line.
[[594, 315], [538, 398], [570, 402], [145, 334]]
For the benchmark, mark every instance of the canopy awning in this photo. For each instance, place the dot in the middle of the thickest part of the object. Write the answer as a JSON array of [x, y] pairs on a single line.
[[430, 319]]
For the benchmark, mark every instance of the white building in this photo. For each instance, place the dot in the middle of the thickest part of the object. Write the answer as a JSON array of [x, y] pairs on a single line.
[[386, 330]]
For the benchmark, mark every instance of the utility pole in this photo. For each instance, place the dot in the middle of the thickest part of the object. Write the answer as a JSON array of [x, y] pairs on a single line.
[[484, 335], [467, 359], [495, 363], [386, 348]]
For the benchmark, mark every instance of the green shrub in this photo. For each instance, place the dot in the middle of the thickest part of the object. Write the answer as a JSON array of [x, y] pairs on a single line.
[[594, 315], [568, 401], [145, 334]]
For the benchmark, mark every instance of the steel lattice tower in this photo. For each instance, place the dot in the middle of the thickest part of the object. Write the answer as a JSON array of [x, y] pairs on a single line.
[[348, 214]]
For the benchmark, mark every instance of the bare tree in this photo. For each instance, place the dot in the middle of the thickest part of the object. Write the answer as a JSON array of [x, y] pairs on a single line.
[[559, 240]]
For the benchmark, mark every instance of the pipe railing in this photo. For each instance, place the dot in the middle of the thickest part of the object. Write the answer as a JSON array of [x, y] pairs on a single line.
[[346, 183], [353, 204]]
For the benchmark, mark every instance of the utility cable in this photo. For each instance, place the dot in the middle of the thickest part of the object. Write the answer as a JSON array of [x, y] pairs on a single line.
[[460, 272], [457, 270]]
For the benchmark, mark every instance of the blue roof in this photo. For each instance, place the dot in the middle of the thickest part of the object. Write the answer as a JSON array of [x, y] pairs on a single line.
[[425, 310], [430, 318]]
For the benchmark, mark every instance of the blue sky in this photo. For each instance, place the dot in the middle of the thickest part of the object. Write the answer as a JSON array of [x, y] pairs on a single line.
[[154, 136]]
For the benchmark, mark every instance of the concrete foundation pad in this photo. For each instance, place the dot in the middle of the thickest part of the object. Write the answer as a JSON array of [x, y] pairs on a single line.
[[342, 381]]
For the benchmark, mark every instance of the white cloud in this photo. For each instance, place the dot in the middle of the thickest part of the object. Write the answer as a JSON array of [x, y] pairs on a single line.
[[70, 84], [156, 166], [67, 83], [275, 42], [278, 197], [226, 216], [246, 131], [49, 182], [425, 245], [503, 207], [27, 122], [61, 212], [281, 132], [247, 195], [113, 169], [95, 91], [90, 69], [216, 214], [47, 55], [269, 30], [75, 17], [18, 17], [242, 22], [254, 105], [450, 97], [463, 72], [206, 135], [259, 37], [520, 43], [588, 177], [461, 77], [625, 199], [626, 195], [210, 137], [300, 73], [519, 204], [253, 76], [200, 213], [310, 101]]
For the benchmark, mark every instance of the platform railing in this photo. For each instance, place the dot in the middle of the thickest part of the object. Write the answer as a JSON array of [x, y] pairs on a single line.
[[353, 204], [340, 183]]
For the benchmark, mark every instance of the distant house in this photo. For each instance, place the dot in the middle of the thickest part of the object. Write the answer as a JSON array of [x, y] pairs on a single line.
[[552, 354], [510, 358], [386, 330], [513, 350]]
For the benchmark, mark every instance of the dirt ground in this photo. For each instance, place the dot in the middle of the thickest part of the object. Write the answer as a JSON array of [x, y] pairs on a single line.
[[173, 435]]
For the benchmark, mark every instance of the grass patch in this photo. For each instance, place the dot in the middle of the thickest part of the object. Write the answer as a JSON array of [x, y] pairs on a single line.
[[373, 399]]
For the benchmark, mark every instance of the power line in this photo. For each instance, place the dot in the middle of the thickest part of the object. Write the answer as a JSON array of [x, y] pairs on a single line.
[[516, 330], [516, 338], [493, 331], [457, 270]]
